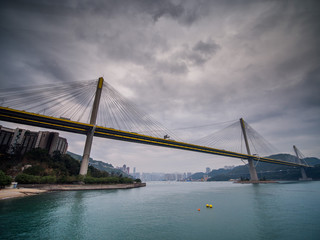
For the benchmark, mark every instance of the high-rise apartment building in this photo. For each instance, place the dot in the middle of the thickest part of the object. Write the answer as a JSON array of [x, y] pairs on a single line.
[[52, 142], [22, 140]]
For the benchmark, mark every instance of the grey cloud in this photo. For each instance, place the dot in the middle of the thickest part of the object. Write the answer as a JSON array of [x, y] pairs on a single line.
[[156, 9], [50, 66], [203, 52], [187, 62], [206, 48], [110, 34], [271, 15], [199, 54], [175, 67], [180, 62], [185, 12], [31, 58], [306, 92], [162, 8]]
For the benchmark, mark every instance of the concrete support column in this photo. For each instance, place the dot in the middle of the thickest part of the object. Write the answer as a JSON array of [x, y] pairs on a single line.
[[86, 153], [252, 169], [90, 134], [304, 176]]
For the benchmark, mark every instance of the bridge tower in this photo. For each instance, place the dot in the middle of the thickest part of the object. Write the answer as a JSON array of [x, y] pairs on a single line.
[[89, 139], [303, 170], [252, 169]]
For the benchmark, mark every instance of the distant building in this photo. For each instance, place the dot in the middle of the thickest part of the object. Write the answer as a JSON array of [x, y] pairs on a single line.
[[170, 177], [16, 140], [179, 177], [153, 177], [52, 142], [163, 176], [208, 170], [124, 169], [28, 141], [6, 135], [22, 140], [137, 175]]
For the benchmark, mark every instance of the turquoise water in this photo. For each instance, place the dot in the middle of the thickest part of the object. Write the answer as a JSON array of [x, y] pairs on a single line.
[[168, 210]]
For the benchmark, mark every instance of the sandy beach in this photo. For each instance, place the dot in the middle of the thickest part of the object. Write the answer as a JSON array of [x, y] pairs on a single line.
[[19, 192], [34, 189]]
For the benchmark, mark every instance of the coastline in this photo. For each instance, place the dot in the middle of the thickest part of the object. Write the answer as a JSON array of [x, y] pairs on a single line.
[[9, 193], [24, 190], [250, 181]]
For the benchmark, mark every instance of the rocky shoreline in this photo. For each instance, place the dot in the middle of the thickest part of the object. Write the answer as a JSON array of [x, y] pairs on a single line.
[[24, 190]]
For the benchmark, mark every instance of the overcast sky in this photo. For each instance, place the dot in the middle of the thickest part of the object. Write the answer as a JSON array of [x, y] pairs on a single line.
[[187, 63]]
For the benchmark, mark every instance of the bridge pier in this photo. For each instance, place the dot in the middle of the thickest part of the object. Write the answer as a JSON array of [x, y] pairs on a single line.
[[86, 153], [304, 176], [89, 139], [252, 169]]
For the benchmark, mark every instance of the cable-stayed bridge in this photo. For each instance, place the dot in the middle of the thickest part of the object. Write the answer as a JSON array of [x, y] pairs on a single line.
[[94, 108]]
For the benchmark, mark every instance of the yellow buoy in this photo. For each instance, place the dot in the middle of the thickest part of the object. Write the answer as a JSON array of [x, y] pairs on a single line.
[[210, 206], [207, 205]]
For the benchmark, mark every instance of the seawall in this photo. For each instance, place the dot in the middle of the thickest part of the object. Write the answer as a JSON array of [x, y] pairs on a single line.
[[77, 187]]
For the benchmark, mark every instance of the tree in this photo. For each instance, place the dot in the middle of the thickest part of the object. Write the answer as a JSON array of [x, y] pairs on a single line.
[[94, 172], [36, 170], [4, 180]]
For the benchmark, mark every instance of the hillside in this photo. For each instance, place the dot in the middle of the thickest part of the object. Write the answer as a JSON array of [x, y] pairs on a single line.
[[266, 170], [102, 166], [312, 161], [39, 167]]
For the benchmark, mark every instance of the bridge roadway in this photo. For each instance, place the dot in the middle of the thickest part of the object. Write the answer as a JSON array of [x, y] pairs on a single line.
[[27, 118]]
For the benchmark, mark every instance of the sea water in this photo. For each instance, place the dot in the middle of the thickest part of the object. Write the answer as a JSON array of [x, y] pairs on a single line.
[[169, 210]]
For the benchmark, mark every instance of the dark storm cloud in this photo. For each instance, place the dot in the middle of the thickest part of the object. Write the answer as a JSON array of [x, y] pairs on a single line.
[[31, 40], [179, 62], [305, 93], [37, 29], [206, 48], [161, 8], [203, 51], [51, 66]]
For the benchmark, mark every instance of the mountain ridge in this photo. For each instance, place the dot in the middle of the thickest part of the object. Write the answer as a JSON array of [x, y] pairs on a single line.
[[103, 166], [265, 170]]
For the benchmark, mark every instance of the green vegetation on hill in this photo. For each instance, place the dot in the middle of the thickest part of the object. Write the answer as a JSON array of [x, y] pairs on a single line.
[[4, 179], [107, 167], [266, 170], [37, 166]]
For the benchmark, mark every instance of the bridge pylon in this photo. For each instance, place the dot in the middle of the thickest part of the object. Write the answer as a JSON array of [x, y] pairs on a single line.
[[89, 139], [252, 169], [304, 176]]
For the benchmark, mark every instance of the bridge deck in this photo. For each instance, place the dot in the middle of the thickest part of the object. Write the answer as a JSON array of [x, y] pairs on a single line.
[[27, 118]]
